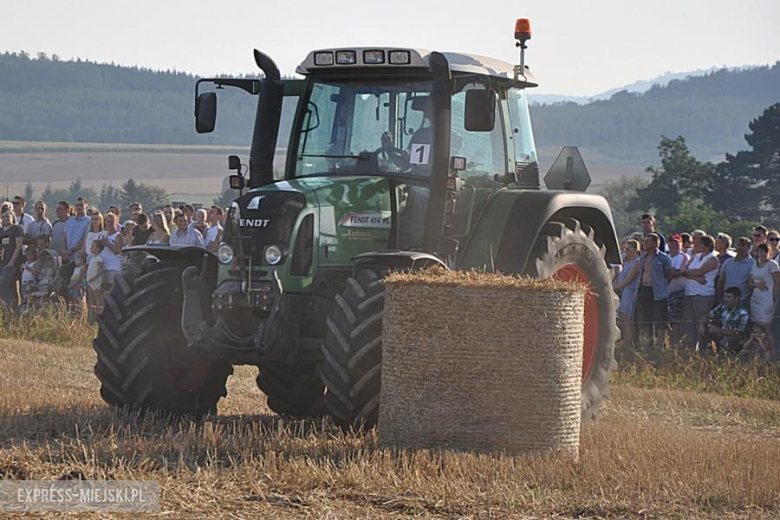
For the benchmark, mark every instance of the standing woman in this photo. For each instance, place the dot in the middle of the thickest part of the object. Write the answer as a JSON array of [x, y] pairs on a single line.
[[626, 284], [765, 282], [161, 234], [11, 238], [95, 232], [112, 252]]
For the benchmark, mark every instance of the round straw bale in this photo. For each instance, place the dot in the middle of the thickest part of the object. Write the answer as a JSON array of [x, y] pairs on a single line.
[[475, 361]]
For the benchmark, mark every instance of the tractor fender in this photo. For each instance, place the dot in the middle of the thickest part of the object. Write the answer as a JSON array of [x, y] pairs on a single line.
[[191, 254], [513, 219], [397, 260]]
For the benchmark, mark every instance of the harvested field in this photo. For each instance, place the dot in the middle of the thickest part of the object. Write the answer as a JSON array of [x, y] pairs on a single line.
[[654, 453], [194, 173]]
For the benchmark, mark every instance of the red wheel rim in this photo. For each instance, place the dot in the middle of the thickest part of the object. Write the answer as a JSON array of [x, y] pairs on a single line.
[[571, 272]]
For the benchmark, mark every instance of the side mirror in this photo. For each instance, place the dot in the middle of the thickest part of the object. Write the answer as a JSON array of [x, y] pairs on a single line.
[[205, 112], [480, 112], [234, 163]]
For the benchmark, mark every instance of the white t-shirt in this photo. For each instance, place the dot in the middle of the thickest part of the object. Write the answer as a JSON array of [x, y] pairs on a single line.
[[694, 288], [211, 234], [678, 262], [25, 220], [91, 237], [92, 271], [111, 261]]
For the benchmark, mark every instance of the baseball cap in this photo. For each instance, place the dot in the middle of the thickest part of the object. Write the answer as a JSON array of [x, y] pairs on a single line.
[[675, 238]]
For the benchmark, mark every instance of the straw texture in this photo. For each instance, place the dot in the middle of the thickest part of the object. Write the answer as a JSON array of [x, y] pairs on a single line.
[[474, 361]]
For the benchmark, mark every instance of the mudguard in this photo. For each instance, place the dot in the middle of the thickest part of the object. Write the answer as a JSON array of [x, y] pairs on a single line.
[[397, 260], [192, 254], [507, 229]]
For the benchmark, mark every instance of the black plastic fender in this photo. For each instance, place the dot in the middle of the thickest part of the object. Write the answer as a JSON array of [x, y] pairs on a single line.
[[397, 260], [531, 210]]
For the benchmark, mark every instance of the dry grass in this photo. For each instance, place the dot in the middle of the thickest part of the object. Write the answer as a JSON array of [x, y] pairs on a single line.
[[655, 453]]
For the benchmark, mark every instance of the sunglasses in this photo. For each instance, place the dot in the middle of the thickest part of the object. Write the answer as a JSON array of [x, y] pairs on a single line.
[[773, 239]]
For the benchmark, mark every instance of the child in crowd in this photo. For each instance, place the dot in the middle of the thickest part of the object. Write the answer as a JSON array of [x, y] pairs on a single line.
[[757, 345], [200, 221], [95, 279], [77, 284], [29, 273]]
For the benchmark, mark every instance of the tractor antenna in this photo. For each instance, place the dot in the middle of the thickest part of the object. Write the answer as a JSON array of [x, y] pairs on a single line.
[[522, 35]]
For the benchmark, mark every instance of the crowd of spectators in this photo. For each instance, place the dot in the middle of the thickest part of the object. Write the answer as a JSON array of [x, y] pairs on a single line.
[[705, 293], [84, 246]]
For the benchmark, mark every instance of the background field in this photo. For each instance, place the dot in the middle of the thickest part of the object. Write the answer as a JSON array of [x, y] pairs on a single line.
[[191, 173], [654, 453]]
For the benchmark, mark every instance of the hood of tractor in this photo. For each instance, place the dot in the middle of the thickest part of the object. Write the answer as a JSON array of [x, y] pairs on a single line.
[[315, 221]]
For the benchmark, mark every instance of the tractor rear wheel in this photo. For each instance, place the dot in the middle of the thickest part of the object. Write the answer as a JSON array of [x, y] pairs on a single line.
[[567, 250], [143, 360], [293, 390], [352, 352]]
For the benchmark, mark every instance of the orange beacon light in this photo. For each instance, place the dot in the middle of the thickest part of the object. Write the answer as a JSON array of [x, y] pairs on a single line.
[[523, 29]]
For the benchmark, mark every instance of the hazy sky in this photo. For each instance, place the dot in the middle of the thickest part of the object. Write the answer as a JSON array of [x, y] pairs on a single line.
[[579, 47]]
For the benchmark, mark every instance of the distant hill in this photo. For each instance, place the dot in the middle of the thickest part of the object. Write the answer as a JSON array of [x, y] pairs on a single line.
[[45, 99], [712, 112], [642, 85]]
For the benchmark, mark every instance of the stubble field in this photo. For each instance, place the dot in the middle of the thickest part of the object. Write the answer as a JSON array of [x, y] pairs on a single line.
[[653, 453]]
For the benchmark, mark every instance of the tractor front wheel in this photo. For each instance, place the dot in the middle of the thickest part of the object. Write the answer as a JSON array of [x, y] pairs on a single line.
[[143, 360], [567, 250]]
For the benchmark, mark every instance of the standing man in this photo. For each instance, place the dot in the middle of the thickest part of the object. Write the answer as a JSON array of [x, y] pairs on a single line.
[[22, 219], [652, 307], [759, 237], [135, 209], [169, 213], [735, 272], [722, 245], [76, 229], [676, 286], [648, 226], [189, 211], [184, 234], [58, 242], [40, 226], [214, 234]]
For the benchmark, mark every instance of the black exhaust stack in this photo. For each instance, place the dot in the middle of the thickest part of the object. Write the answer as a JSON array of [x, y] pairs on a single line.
[[269, 112]]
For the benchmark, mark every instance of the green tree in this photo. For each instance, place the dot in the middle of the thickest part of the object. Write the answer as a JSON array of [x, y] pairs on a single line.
[[29, 192], [681, 177], [749, 181], [621, 194], [150, 197]]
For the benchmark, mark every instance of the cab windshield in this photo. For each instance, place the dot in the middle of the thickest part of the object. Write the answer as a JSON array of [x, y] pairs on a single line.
[[365, 128]]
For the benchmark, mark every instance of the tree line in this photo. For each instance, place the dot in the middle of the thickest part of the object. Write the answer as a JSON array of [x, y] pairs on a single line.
[[150, 197], [686, 193]]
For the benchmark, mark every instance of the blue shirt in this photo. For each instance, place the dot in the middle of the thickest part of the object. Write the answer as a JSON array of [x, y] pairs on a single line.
[[660, 263], [735, 273], [75, 230]]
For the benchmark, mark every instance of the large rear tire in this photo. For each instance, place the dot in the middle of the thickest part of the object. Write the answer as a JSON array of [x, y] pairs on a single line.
[[292, 390], [352, 352], [143, 360], [567, 250]]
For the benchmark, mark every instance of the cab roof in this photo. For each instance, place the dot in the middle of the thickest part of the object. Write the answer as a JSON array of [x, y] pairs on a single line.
[[418, 58]]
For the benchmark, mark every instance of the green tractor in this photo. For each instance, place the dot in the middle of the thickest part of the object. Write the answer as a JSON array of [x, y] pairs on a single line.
[[396, 159]]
